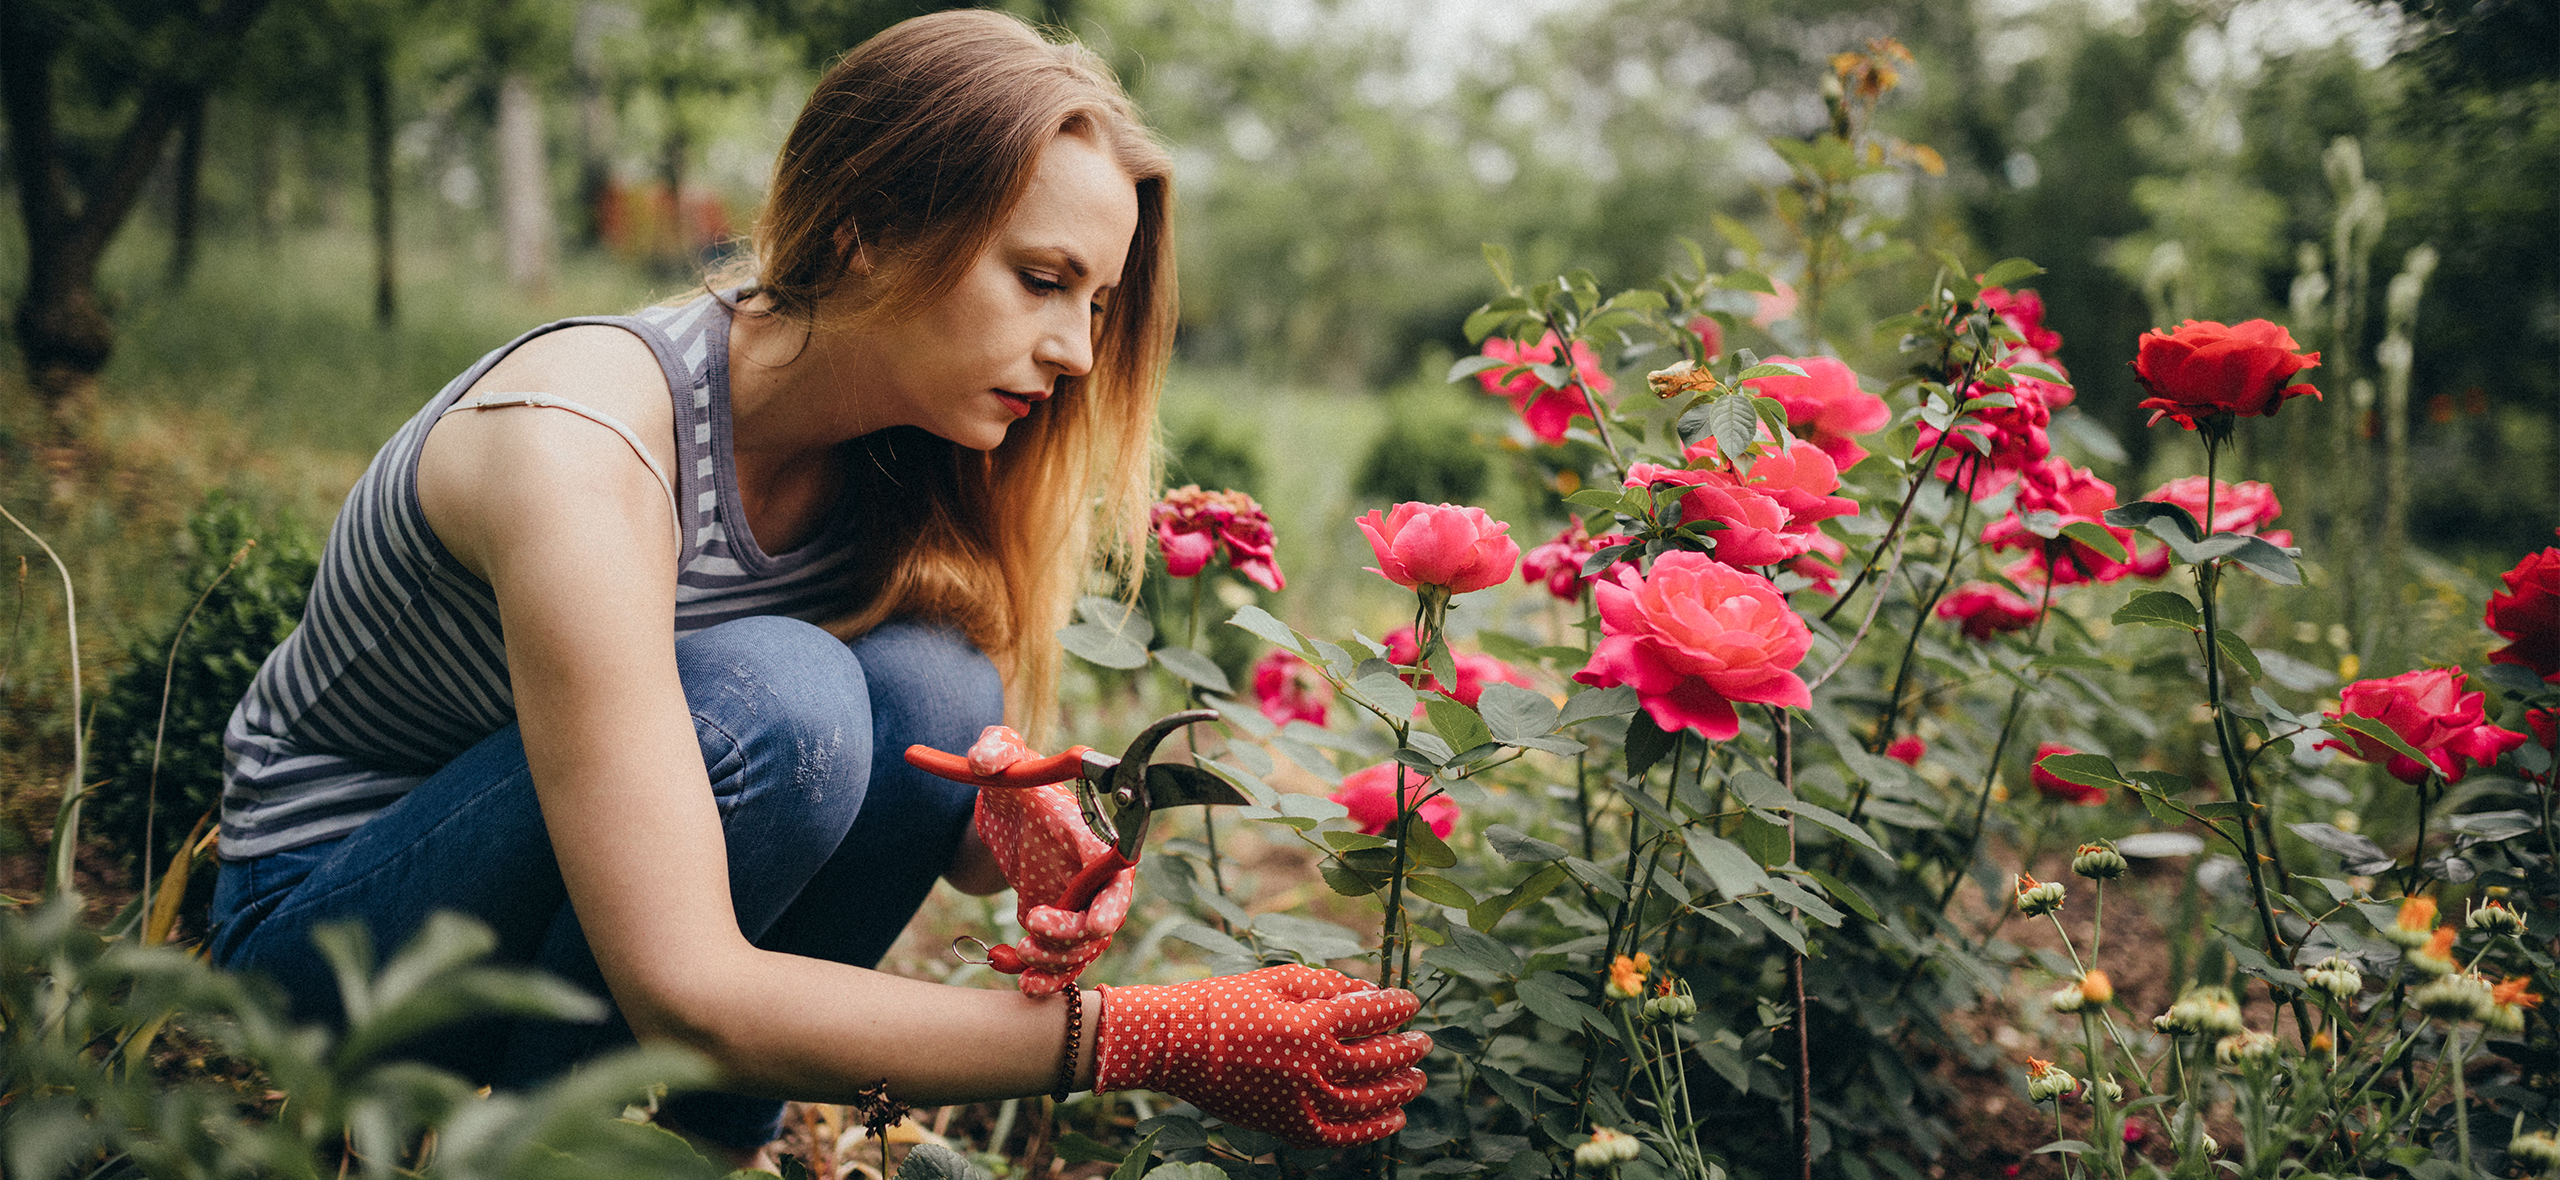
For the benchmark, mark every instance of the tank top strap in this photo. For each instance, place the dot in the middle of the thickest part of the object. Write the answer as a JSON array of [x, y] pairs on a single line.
[[500, 401]]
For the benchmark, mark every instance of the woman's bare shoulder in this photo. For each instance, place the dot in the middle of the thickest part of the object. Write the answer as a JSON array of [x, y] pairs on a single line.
[[597, 365]]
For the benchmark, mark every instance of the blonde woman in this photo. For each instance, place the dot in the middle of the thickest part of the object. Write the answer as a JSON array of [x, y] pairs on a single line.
[[617, 642]]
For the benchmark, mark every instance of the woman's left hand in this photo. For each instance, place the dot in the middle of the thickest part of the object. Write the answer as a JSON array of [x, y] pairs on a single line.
[[1040, 841]]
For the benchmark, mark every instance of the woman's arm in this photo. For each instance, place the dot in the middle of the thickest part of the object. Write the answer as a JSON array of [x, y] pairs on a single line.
[[571, 531]]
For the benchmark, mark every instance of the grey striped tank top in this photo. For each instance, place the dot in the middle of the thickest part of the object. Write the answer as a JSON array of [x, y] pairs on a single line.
[[398, 665]]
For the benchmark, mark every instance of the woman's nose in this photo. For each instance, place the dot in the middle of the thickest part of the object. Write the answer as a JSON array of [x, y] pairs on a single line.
[[1067, 345]]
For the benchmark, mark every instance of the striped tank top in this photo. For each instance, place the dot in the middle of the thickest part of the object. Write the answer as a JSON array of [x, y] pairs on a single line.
[[399, 665]]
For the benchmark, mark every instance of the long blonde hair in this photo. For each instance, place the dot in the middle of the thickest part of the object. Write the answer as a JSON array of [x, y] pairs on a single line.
[[914, 148]]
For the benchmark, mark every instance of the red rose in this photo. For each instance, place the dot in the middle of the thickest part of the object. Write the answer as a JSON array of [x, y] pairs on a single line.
[[2204, 369], [2023, 311], [1693, 636], [1192, 526], [2244, 507], [1558, 563], [1547, 411], [1459, 549], [2060, 790], [2429, 710], [2002, 440], [1987, 610], [1710, 335], [1289, 689], [1907, 749], [1370, 796], [2529, 615], [1825, 407]]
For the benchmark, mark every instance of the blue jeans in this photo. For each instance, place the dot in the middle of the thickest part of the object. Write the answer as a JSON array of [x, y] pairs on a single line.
[[833, 841]]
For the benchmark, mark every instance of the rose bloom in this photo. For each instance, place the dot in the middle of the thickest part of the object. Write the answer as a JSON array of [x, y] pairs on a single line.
[[2023, 311], [1475, 669], [1768, 309], [1825, 407], [1907, 749], [2243, 507], [2429, 710], [1987, 610], [1769, 514], [1558, 563], [1459, 549], [1370, 795], [1290, 689], [1710, 335], [1818, 564], [2014, 435], [2076, 495], [1692, 637], [1192, 526], [1547, 411], [2205, 369], [2528, 614], [2057, 789]]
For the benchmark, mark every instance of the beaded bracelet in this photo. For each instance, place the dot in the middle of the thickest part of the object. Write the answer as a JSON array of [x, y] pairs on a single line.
[[1075, 1033]]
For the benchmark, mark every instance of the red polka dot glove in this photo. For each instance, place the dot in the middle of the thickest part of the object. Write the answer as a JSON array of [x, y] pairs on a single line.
[[1040, 840], [1298, 1052]]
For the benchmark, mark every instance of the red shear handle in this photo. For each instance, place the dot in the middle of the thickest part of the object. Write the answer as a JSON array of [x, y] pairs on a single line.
[[1092, 880], [1063, 766]]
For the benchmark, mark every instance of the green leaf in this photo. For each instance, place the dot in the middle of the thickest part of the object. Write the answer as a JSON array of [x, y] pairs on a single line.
[[1440, 889], [1646, 744], [1768, 842], [1424, 847], [1755, 788], [1733, 870], [1538, 884], [1469, 366], [1515, 714], [1123, 618], [1348, 881], [2233, 646], [1457, 723], [2096, 538], [1734, 424], [2164, 520], [1805, 901], [1076, 1147], [2261, 557], [2088, 770], [1734, 231], [2161, 608], [1138, 1159], [2062, 1146], [1646, 806], [1776, 923], [2008, 271], [1380, 686], [1520, 848], [1835, 822], [1194, 668], [1545, 999], [1271, 630], [1847, 896], [1616, 701], [2355, 723], [1102, 645], [1769, 369]]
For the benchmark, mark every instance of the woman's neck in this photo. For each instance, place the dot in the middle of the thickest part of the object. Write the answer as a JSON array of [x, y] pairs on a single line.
[[792, 401]]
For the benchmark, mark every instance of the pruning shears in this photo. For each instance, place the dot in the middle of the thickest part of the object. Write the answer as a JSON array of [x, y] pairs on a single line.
[[1118, 795]]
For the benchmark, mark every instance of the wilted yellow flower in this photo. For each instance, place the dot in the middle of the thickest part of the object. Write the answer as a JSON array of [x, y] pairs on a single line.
[[1627, 975]]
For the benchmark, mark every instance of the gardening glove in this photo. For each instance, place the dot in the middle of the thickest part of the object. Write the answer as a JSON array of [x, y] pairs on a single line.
[[1040, 840], [1298, 1052]]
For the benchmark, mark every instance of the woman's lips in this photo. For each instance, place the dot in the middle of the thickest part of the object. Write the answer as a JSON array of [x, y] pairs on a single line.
[[1020, 404]]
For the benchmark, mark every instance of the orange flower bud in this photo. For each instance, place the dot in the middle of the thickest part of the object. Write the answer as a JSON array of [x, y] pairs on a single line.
[[2096, 988]]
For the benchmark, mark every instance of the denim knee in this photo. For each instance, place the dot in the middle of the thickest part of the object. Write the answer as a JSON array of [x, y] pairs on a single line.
[[779, 704], [929, 680]]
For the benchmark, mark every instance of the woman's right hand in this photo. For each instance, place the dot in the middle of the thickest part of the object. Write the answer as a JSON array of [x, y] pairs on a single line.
[[1040, 841], [1299, 1052]]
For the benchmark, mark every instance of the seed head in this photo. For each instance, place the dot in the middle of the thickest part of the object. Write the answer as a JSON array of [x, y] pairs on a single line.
[[2047, 1081], [2336, 976], [2456, 997], [2067, 998], [2096, 988], [2098, 862], [2038, 898], [2496, 918], [2537, 1151], [1605, 1148], [2244, 1048], [2436, 957], [2204, 1011]]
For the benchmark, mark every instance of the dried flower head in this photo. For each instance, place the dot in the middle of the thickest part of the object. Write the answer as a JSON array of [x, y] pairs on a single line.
[[2067, 998], [2496, 918], [2536, 1151], [1627, 976], [2038, 898], [2047, 1081], [2337, 976], [2245, 1048], [2207, 1010], [1605, 1148], [2098, 862], [2456, 997]]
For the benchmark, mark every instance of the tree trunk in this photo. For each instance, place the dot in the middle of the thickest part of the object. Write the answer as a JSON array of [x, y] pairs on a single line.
[[524, 194], [377, 142], [62, 330], [676, 250], [186, 193]]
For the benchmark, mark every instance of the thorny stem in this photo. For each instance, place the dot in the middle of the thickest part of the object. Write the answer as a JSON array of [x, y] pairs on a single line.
[[2208, 581], [1782, 736], [1910, 495], [1991, 773], [1911, 645], [1395, 884]]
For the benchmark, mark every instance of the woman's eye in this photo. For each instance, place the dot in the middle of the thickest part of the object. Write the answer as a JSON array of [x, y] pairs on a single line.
[[1040, 284]]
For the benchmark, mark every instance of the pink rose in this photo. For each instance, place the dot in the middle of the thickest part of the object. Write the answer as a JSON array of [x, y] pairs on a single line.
[[1768, 309], [2244, 507], [1192, 526], [2061, 790], [1558, 563], [1692, 637], [1769, 514], [2001, 441], [1290, 689], [2528, 615], [1825, 407], [1546, 410], [2023, 311], [1710, 335], [2428, 710], [1456, 548], [1371, 797], [1474, 669], [1987, 610], [1907, 749], [2076, 495], [2205, 369]]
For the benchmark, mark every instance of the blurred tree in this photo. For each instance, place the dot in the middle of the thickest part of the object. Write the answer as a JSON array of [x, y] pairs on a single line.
[[92, 91]]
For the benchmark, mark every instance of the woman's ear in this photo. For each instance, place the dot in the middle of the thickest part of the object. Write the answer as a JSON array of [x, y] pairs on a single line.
[[850, 250]]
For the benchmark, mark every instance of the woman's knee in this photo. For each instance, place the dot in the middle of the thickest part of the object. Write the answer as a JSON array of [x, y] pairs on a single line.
[[777, 700], [929, 682]]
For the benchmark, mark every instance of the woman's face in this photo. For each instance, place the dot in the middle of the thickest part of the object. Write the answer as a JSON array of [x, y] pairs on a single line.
[[977, 359]]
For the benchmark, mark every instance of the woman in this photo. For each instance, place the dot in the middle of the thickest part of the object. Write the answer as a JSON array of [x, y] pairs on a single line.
[[555, 672]]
